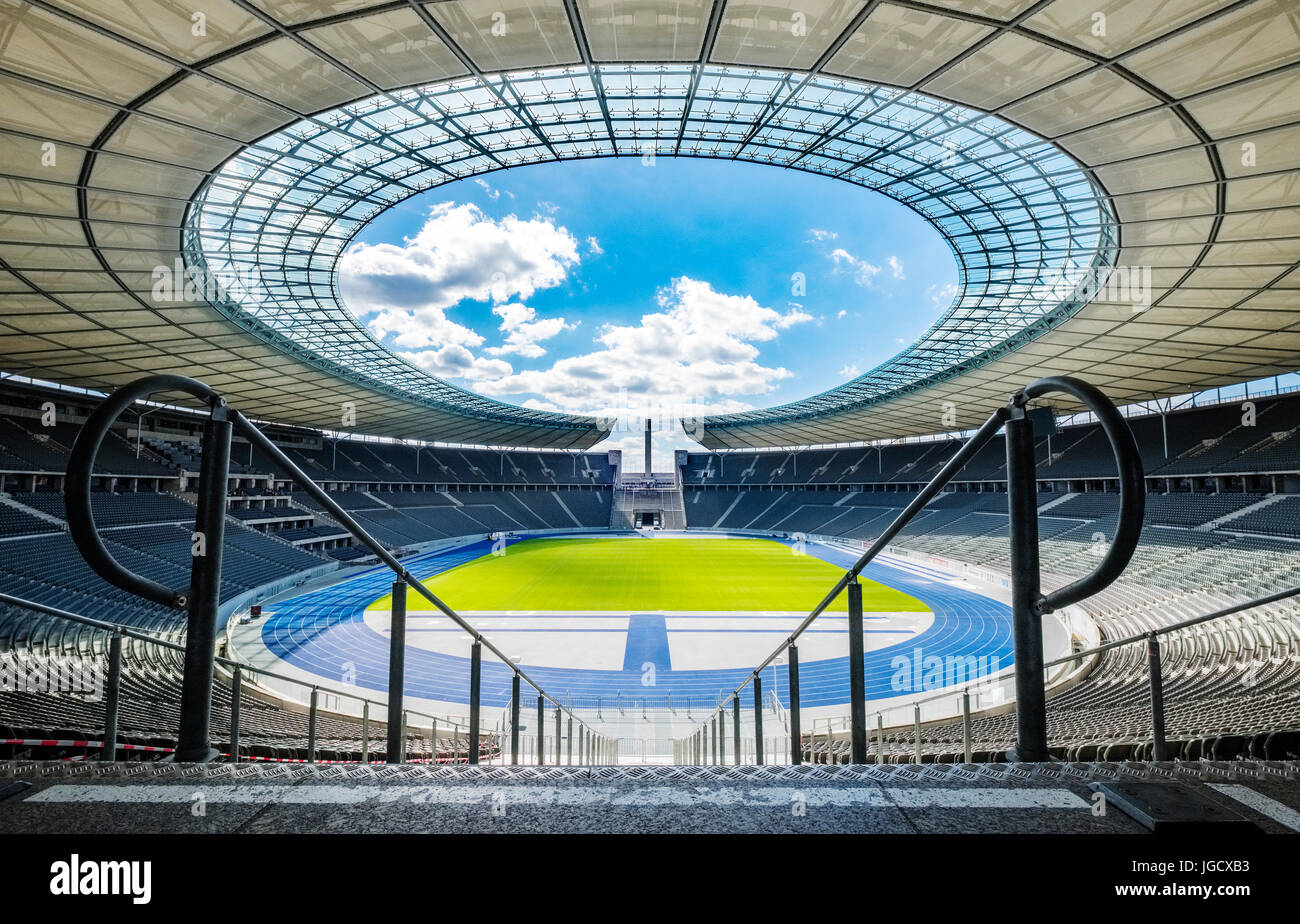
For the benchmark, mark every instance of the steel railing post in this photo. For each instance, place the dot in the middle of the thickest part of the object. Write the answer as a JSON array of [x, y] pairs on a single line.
[[1027, 620], [365, 731], [569, 745], [916, 733], [236, 707], [194, 741], [735, 729], [541, 731], [880, 738], [758, 721], [112, 696], [311, 726], [396, 672], [1158, 749], [401, 738], [965, 725], [792, 684], [514, 720], [475, 676], [857, 677], [559, 736]]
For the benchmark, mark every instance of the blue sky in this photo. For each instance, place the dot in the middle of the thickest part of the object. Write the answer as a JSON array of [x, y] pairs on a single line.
[[619, 287]]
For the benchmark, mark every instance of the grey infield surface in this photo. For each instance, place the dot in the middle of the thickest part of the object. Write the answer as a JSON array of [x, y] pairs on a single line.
[[77, 798]]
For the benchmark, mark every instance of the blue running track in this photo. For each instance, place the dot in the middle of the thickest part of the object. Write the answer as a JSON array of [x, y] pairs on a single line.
[[324, 632]]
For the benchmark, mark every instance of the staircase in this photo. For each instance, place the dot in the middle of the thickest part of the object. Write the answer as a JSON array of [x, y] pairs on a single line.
[[1237, 514], [635, 496], [620, 512]]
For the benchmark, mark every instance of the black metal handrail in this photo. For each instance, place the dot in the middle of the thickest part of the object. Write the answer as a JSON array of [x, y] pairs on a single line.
[[1154, 665], [1028, 603], [200, 598], [235, 667]]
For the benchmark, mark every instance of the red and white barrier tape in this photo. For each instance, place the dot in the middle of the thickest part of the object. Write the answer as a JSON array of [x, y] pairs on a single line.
[[78, 743]]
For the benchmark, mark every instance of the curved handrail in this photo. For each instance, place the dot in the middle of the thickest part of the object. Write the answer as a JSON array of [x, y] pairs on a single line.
[[1132, 488], [1135, 638], [81, 463], [1128, 532], [86, 536]]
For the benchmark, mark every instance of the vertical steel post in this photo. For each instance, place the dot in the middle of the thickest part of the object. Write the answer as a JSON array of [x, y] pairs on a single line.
[[194, 742], [475, 683], [396, 671], [582, 746], [559, 734], [311, 727], [112, 696], [1027, 621], [514, 719], [236, 705], [916, 732], [735, 729], [965, 724], [1158, 749], [857, 677], [720, 723], [796, 733], [570, 742], [401, 739], [758, 721], [880, 738], [541, 731], [365, 731]]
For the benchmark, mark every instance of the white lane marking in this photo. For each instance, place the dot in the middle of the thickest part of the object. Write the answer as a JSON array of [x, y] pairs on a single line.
[[1279, 812], [867, 796]]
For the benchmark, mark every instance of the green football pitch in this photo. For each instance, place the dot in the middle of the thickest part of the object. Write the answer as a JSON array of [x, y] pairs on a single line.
[[648, 574]]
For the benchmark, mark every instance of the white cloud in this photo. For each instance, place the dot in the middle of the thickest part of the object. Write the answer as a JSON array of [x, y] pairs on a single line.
[[524, 330], [850, 371], [593, 245], [896, 265], [487, 187], [820, 234], [699, 346], [863, 271], [456, 362], [460, 254], [422, 327], [843, 312], [942, 296]]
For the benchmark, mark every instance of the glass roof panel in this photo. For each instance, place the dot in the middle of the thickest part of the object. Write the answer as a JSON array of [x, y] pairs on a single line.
[[900, 46], [501, 34], [391, 49], [781, 33], [645, 30], [1024, 221]]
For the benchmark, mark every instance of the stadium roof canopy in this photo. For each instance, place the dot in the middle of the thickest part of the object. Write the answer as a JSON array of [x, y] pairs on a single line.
[[1067, 154]]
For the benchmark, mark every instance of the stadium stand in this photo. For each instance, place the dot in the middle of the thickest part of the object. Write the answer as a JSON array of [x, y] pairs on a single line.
[[1220, 528]]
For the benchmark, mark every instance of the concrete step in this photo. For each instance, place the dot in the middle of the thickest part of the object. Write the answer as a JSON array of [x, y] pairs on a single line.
[[939, 798]]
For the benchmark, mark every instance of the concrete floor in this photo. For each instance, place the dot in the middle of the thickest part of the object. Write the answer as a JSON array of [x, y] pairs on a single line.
[[80, 798]]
